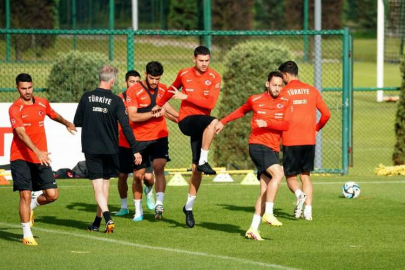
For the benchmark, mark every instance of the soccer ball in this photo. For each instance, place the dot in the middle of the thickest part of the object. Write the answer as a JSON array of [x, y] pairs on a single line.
[[351, 190]]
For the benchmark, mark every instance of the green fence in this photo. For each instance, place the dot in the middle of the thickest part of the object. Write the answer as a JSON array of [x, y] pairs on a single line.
[[326, 64]]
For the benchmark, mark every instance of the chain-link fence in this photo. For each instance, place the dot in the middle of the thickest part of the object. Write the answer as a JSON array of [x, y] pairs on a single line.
[[324, 63]]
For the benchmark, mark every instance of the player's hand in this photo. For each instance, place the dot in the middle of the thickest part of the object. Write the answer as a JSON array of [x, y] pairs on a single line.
[[316, 133], [177, 94], [160, 113], [155, 109], [218, 127], [71, 128], [261, 123], [43, 157], [138, 158]]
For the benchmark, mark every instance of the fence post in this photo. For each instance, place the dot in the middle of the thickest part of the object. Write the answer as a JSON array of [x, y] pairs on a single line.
[[8, 43], [130, 50], [305, 28], [74, 22], [346, 101], [111, 40], [207, 22]]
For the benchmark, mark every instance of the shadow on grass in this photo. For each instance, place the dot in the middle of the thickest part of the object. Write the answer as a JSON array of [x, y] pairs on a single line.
[[6, 234], [81, 225], [86, 207], [228, 228], [250, 209]]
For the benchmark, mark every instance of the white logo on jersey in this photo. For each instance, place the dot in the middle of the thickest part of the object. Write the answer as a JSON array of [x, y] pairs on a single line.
[[299, 101], [261, 112], [41, 113], [23, 116], [40, 104], [218, 85], [189, 80], [206, 92], [261, 105], [143, 97], [12, 121], [211, 74], [280, 106], [105, 110], [256, 98], [183, 73], [207, 82], [189, 90]]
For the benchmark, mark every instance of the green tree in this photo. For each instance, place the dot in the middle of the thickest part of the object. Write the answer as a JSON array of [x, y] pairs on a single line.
[[398, 157], [29, 14], [73, 74], [232, 15], [246, 68], [269, 14], [183, 14]]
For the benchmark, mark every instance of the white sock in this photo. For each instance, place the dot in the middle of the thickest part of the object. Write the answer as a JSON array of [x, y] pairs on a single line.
[[34, 203], [256, 221], [269, 208], [26, 230], [203, 157], [159, 198], [190, 202], [298, 193], [308, 210], [138, 208], [124, 203]]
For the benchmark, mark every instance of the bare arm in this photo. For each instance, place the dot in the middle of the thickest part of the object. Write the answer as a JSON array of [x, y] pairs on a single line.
[[69, 126], [43, 156], [171, 113], [134, 116]]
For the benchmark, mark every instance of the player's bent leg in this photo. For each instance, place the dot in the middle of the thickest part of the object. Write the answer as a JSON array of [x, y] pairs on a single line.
[[207, 138], [48, 196], [270, 194], [149, 181]]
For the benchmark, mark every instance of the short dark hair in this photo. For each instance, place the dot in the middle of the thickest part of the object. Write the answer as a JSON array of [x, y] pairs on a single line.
[[132, 73], [289, 67], [201, 50], [23, 77], [154, 68], [274, 74]]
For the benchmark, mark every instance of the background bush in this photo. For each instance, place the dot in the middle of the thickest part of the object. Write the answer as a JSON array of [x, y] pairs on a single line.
[[247, 66], [73, 74], [399, 150]]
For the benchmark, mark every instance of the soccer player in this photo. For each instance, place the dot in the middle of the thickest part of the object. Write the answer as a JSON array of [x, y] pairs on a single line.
[[150, 130], [201, 87], [271, 115], [30, 161], [299, 140], [98, 113]]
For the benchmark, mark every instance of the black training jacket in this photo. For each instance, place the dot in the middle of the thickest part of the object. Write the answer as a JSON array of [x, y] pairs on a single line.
[[98, 114]]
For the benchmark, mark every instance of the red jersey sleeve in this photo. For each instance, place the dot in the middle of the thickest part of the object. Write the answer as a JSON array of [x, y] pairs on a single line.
[[49, 111], [238, 113], [210, 101], [132, 100], [177, 83], [15, 117], [321, 106]]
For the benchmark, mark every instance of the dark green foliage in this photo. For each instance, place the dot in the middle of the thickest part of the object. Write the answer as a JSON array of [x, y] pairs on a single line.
[[246, 68], [183, 15], [269, 14], [73, 74], [33, 14], [399, 150], [361, 16], [232, 15]]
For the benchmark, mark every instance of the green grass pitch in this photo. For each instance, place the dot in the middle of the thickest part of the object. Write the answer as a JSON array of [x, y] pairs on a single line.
[[363, 233]]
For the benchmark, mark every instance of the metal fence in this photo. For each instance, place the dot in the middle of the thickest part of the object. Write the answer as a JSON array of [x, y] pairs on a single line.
[[325, 63]]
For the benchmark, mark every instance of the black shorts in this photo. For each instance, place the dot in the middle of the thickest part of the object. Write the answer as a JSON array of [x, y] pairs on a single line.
[[263, 157], [298, 159], [31, 176], [194, 126], [126, 160], [102, 165], [153, 150]]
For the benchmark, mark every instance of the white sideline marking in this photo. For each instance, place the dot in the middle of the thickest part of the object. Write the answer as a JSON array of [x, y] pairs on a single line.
[[203, 254]]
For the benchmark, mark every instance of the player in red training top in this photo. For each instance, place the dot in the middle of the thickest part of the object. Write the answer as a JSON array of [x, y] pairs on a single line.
[[30, 162], [150, 129], [200, 90], [299, 140], [271, 115]]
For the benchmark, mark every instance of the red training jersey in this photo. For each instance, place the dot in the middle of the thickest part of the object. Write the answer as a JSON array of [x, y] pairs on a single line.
[[154, 128], [202, 91], [306, 100], [275, 111], [32, 118], [122, 141]]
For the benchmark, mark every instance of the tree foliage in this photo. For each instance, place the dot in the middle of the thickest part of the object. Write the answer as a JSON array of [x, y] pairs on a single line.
[[247, 66], [73, 74], [183, 15], [398, 157], [32, 14], [232, 15]]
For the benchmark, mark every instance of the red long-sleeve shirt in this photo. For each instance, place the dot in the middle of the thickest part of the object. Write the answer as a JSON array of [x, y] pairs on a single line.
[[275, 111], [306, 100], [202, 91]]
